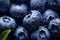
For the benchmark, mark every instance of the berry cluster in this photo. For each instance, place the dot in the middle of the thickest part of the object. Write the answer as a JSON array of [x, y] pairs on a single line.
[[30, 19]]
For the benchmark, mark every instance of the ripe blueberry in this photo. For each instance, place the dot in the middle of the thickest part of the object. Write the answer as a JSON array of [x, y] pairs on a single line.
[[38, 5], [18, 11], [54, 27], [32, 20], [49, 15], [53, 4], [41, 34], [7, 22], [21, 33], [4, 5], [58, 1]]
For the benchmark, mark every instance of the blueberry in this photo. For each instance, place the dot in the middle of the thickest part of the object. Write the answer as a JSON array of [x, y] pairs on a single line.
[[49, 15], [32, 20], [21, 33], [38, 5], [18, 11], [41, 34], [4, 5], [54, 27], [53, 4], [58, 1], [7, 22]]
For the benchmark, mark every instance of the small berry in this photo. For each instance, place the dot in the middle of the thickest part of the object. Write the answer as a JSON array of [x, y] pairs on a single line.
[[54, 27], [7, 22], [41, 34], [21, 33], [4, 5], [18, 11], [32, 20], [49, 15]]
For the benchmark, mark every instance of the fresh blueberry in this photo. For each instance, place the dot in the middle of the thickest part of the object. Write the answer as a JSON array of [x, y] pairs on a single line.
[[49, 15], [21, 33], [4, 5], [32, 20], [41, 34], [18, 11], [7, 22], [58, 1], [54, 27], [53, 4], [38, 5]]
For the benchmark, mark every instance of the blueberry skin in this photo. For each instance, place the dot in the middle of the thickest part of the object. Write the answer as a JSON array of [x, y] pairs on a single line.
[[54, 4], [32, 20], [18, 11], [54, 27], [41, 34], [21, 33], [49, 15], [38, 5], [58, 1], [4, 5], [7, 22]]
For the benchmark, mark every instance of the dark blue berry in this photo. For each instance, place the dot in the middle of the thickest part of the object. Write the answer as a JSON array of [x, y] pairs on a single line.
[[58, 1], [38, 5], [18, 11], [32, 20], [21, 33], [49, 15], [4, 5], [41, 34], [54, 27], [54, 4], [7, 22]]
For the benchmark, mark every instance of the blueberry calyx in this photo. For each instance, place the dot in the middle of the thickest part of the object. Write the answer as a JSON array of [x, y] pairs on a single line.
[[50, 18], [6, 19], [21, 35], [42, 34]]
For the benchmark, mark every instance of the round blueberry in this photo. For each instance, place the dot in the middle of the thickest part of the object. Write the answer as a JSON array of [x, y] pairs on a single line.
[[41, 34], [4, 5], [54, 27], [38, 4], [21, 33], [32, 20], [18, 11], [53, 4], [7, 22], [49, 15], [58, 1]]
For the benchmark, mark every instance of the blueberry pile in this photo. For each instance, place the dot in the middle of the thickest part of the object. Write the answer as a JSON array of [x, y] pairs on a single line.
[[30, 19]]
